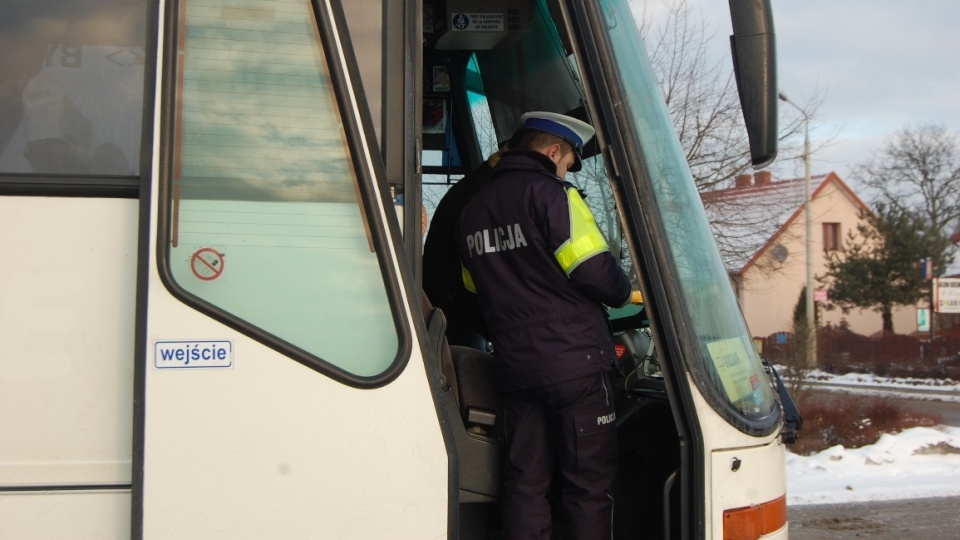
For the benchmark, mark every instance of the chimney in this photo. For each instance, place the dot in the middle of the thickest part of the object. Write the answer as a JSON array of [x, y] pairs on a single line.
[[743, 181], [763, 178]]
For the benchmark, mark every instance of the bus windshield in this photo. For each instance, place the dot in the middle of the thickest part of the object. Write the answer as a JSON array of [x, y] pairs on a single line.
[[727, 361]]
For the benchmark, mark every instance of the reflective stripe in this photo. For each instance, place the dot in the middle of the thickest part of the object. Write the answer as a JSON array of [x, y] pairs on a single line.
[[467, 279], [585, 240]]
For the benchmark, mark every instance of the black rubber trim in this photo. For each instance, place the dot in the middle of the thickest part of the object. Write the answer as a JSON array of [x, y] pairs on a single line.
[[143, 272], [119, 187], [77, 487]]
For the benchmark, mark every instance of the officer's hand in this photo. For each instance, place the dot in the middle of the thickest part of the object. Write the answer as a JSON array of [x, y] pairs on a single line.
[[636, 297]]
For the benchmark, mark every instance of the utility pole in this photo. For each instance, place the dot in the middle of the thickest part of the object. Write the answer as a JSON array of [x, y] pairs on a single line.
[[808, 213]]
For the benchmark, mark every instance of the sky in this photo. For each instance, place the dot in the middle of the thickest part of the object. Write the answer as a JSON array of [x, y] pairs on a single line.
[[916, 463], [878, 66]]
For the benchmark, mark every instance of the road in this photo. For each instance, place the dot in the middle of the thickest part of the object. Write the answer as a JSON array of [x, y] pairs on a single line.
[[945, 404], [948, 410], [920, 519]]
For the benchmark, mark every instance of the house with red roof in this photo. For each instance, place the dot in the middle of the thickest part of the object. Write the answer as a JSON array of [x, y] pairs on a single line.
[[760, 226]]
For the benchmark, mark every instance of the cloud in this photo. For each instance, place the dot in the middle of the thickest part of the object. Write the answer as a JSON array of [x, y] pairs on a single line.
[[879, 66]]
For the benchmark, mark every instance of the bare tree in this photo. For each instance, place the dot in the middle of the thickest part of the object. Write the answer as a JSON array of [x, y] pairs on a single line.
[[918, 171], [701, 95]]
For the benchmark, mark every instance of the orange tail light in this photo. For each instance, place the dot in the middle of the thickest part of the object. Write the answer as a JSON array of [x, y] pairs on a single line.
[[752, 522]]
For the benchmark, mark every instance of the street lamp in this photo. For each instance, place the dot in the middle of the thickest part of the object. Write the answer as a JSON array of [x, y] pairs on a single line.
[[808, 212]]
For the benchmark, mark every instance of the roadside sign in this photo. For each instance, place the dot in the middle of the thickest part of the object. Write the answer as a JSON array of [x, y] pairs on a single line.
[[926, 269], [946, 295], [820, 295], [923, 319]]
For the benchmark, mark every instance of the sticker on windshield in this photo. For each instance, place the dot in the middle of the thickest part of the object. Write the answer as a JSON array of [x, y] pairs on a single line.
[[737, 375]]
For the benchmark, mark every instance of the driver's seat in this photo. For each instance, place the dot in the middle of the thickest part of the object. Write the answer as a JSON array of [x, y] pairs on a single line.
[[478, 399]]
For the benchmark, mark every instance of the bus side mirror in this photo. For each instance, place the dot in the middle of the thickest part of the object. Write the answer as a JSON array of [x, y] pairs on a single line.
[[754, 51]]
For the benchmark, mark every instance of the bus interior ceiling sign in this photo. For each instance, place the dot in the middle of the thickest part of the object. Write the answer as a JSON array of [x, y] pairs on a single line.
[[477, 22]]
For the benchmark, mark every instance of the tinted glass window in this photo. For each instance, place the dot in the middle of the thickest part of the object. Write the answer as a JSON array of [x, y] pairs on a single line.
[[266, 222], [71, 86]]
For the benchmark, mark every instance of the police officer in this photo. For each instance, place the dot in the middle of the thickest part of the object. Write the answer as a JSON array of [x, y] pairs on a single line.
[[542, 272], [442, 274]]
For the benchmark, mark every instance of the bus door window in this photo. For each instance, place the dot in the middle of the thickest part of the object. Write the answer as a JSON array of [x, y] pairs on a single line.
[[268, 228]]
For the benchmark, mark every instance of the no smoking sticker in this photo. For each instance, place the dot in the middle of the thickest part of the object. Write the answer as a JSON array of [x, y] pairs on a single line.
[[207, 264]]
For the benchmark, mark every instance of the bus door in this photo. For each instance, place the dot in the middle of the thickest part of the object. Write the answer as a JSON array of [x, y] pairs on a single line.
[[697, 419], [282, 391]]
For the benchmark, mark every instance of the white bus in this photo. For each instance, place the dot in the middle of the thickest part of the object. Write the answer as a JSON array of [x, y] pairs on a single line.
[[211, 322]]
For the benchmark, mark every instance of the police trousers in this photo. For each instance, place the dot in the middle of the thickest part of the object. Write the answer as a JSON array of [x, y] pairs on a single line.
[[566, 427]]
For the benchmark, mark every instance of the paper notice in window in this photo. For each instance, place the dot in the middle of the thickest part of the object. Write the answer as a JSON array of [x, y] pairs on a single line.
[[737, 375]]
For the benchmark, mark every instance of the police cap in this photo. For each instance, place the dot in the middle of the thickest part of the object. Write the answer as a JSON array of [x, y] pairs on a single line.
[[573, 131]]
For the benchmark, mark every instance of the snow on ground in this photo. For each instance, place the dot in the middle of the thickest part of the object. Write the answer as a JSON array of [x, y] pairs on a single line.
[[919, 462]]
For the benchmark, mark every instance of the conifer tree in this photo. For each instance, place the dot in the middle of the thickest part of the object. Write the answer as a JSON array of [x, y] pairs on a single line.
[[879, 267]]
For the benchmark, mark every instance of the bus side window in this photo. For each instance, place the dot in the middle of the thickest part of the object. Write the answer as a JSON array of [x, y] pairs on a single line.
[[71, 99]]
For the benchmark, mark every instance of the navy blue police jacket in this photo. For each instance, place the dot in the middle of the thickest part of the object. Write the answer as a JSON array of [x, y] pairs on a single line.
[[542, 271]]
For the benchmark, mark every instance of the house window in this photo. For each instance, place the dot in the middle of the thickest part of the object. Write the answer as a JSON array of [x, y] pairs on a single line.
[[831, 236]]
